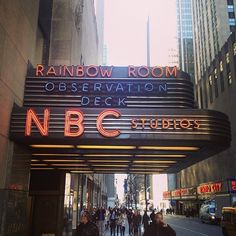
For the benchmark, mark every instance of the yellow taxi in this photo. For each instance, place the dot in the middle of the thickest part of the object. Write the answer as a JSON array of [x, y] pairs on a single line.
[[228, 222]]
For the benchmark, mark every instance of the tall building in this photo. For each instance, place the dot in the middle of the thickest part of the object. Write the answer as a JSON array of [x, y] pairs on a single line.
[[57, 32], [214, 20], [215, 80], [185, 36]]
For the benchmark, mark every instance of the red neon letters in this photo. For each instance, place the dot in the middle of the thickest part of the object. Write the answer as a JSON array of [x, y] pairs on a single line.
[[74, 126], [32, 116], [100, 127]]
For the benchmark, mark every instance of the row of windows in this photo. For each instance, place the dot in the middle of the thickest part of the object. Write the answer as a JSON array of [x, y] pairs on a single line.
[[216, 77]]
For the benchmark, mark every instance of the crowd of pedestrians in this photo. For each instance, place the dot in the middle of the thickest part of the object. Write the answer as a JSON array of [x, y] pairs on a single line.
[[113, 221]]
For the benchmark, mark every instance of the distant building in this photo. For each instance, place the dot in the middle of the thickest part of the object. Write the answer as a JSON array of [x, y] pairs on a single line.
[[111, 191], [185, 36]]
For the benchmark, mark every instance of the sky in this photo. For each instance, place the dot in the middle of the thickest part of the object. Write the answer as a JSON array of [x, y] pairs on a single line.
[[125, 23]]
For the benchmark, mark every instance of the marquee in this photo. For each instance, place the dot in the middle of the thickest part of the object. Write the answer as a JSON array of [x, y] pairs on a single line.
[[115, 119]]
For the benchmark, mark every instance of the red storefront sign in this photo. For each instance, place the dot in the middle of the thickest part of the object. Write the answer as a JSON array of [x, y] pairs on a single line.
[[166, 195], [209, 188], [233, 186], [176, 193]]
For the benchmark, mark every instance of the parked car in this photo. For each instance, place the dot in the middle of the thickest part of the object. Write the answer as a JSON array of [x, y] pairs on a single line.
[[228, 221], [207, 213]]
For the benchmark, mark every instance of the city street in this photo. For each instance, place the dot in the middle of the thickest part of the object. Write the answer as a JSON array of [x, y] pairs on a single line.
[[193, 227], [188, 227]]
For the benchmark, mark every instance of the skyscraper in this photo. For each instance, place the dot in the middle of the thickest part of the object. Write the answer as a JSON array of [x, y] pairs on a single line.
[[214, 20], [214, 40], [185, 36]]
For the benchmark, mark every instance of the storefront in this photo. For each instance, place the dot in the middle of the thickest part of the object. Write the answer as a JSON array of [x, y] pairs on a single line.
[[187, 201]]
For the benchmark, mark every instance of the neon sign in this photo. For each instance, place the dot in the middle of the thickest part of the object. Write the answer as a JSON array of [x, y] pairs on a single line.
[[74, 123], [103, 72]]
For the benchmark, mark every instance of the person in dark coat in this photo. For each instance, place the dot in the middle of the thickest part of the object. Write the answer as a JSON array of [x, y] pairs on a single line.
[[159, 227], [152, 216], [86, 226], [130, 216], [137, 219], [145, 220]]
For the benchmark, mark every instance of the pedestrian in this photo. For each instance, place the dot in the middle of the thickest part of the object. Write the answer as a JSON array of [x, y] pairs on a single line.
[[123, 221], [100, 216], [86, 226], [145, 220], [130, 220], [107, 218], [118, 222], [137, 219], [159, 227], [113, 219], [152, 216]]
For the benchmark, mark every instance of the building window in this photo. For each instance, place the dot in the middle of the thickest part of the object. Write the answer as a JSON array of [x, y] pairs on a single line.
[[221, 66], [210, 80], [232, 21], [229, 78], [222, 83], [227, 58], [216, 83], [230, 8], [210, 88], [230, 2], [234, 49]]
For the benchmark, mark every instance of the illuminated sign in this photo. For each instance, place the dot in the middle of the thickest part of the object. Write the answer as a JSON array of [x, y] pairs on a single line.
[[209, 188], [155, 123], [137, 106], [176, 194], [104, 72], [233, 186], [187, 193], [75, 118], [108, 87], [167, 195]]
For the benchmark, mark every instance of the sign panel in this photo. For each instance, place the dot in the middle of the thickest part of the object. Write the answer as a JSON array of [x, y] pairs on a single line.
[[188, 193], [167, 195], [232, 185], [72, 123], [176, 194], [141, 107], [209, 188], [93, 86]]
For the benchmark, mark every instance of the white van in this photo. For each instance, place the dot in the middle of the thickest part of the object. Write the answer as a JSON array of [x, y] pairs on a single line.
[[207, 213]]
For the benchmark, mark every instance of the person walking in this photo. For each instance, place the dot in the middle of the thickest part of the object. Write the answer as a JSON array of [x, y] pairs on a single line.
[[130, 216], [118, 222], [123, 221], [100, 216], [137, 219], [86, 226], [159, 227], [113, 218], [145, 220], [152, 216]]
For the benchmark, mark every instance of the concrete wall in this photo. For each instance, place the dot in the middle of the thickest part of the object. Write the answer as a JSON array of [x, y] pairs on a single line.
[[74, 37], [18, 25]]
